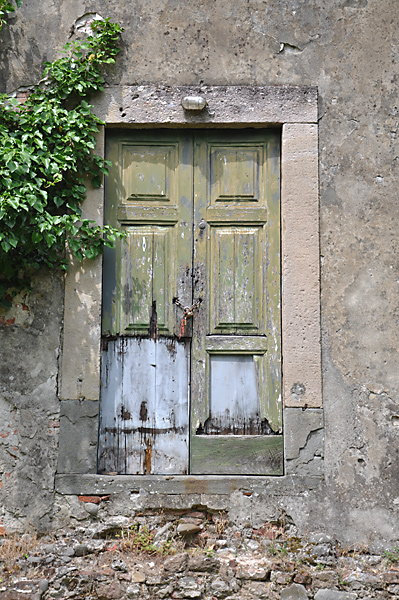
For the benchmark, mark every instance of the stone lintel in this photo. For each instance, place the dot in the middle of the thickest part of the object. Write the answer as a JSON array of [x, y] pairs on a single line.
[[160, 106]]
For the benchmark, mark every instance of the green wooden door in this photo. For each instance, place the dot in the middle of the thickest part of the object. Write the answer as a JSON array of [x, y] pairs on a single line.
[[236, 381], [202, 214]]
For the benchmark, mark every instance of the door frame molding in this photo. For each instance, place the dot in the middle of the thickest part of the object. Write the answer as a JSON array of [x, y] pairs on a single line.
[[294, 108]]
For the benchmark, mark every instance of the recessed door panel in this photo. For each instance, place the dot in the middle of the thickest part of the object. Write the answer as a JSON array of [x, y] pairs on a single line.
[[235, 173], [147, 271], [148, 172], [236, 280]]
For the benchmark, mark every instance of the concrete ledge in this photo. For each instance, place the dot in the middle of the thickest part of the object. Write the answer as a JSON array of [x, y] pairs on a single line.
[[160, 106], [86, 485]]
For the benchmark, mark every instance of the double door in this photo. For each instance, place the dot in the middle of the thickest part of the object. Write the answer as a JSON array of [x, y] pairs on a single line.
[[198, 390]]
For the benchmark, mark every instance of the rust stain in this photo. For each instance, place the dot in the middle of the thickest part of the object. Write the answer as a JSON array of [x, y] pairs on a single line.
[[170, 344], [147, 458], [105, 341], [195, 486]]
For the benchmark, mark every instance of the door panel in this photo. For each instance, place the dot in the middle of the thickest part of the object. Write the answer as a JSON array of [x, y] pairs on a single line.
[[144, 416], [236, 212], [202, 218], [147, 271], [234, 172], [218, 455], [145, 367], [235, 279], [149, 194]]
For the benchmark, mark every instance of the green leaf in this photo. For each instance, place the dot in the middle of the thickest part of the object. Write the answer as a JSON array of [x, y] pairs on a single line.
[[36, 237]]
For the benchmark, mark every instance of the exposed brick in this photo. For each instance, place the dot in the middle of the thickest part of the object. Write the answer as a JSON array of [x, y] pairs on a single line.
[[91, 499], [195, 514], [23, 96], [2, 530], [6, 322]]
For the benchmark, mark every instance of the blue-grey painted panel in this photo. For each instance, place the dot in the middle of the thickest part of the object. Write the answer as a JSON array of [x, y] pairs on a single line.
[[234, 396], [144, 406]]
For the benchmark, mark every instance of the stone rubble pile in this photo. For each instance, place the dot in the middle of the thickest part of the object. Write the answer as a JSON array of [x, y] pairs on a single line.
[[191, 555]]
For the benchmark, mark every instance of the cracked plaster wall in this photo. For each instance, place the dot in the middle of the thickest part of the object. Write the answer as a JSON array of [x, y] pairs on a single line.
[[350, 50], [29, 408]]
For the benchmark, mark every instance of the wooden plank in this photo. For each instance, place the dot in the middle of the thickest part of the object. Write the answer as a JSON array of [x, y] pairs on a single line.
[[134, 280], [236, 344], [252, 455], [201, 271], [245, 215], [146, 271], [147, 214], [222, 285], [246, 276], [163, 272], [111, 387]]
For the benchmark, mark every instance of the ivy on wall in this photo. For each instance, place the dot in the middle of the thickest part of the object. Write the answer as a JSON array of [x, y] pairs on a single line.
[[7, 6], [47, 151]]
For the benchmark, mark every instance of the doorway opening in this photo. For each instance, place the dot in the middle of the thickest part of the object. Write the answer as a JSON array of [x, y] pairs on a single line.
[[191, 346]]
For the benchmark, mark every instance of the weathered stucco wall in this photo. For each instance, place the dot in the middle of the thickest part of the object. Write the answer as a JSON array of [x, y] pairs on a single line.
[[349, 50]]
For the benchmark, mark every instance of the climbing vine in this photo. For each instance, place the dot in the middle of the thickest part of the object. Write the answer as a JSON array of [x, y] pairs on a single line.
[[47, 153]]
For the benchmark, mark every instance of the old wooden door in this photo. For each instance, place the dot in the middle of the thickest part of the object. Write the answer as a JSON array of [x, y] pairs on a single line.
[[202, 217]]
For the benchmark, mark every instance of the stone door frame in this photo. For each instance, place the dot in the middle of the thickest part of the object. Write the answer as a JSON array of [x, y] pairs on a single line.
[[148, 106]]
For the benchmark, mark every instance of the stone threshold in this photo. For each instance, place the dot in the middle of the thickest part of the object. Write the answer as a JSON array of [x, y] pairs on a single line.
[[91, 484]]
